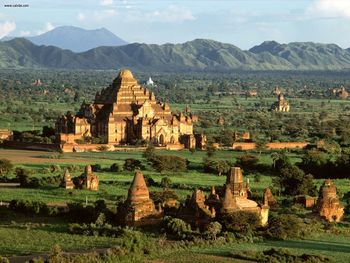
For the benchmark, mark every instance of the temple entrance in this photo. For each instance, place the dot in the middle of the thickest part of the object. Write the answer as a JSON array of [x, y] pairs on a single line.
[[172, 140], [161, 139]]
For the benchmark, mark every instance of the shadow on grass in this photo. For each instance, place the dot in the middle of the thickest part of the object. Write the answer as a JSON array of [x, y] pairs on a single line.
[[312, 245]]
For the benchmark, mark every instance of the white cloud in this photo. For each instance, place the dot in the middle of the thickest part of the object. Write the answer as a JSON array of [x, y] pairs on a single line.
[[6, 28], [81, 16], [106, 2], [24, 33], [330, 8], [48, 27], [96, 15], [172, 14], [103, 14]]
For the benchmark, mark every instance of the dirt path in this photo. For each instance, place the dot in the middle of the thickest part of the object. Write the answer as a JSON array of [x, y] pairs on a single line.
[[36, 157]]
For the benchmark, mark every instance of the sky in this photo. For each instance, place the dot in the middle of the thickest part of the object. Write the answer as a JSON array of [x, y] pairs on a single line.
[[244, 23]]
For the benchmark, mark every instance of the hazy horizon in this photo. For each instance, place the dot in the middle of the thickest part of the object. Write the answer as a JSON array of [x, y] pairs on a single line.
[[242, 23]]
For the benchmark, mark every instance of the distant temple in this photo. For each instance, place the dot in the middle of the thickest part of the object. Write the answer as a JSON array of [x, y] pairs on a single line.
[[328, 205], [37, 82], [127, 113], [341, 92], [150, 82], [281, 105]]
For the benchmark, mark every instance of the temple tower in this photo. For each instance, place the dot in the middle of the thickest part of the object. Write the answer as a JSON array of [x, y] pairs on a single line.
[[140, 209], [328, 204], [67, 182]]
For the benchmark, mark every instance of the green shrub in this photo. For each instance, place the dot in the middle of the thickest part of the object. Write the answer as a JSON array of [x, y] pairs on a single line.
[[213, 229], [218, 167], [293, 181], [5, 166], [131, 165], [287, 226], [149, 153], [28, 207], [33, 182], [96, 167], [169, 163], [162, 196], [114, 168], [240, 222], [99, 228], [55, 168], [166, 182], [177, 228]]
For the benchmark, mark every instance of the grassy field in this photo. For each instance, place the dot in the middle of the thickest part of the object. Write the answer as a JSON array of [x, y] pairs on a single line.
[[21, 235], [113, 185], [336, 248]]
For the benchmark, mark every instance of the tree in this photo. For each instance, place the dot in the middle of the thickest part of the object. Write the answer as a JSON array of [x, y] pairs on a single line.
[[225, 137], [293, 181], [149, 153], [285, 226], [131, 165], [280, 160], [213, 229], [242, 222], [247, 162], [5, 166], [216, 166], [177, 227], [211, 150], [166, 182], [260, 145], [169, 163], [114, 168], [48, 131], [342, 165], [316, 163]]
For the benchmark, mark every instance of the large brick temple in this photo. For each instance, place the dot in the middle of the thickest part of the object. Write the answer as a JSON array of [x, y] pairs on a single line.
[[125, 113]]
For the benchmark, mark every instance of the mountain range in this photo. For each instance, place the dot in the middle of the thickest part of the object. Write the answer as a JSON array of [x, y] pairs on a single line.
[[76, 39], [197, 55]]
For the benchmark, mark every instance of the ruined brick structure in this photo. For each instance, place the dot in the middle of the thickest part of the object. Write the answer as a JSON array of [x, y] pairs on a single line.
[[341, 92], [233, 197], [252, 93], [125, 113], [236, 197], [6, 135], [88, 180], [328, 204], [269, 199], [67, 182], [139, 208], [305, 200], [195, 211]]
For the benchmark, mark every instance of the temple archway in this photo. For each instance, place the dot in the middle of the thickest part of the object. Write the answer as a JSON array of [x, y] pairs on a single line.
[[172, 140], [161, 139]]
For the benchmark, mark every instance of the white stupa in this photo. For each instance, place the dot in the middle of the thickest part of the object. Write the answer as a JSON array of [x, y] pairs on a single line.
[[150, 82]]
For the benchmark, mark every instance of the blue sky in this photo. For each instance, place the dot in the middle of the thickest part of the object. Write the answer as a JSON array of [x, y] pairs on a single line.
[[244, 23]]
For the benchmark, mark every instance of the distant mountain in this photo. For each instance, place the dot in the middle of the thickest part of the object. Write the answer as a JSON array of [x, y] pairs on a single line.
[[307, 55], [75, 39], [196, 55]]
